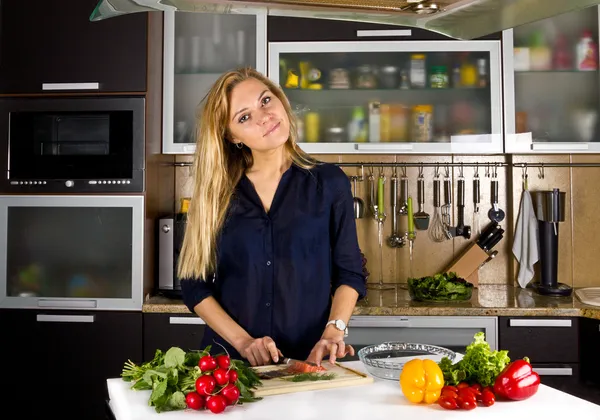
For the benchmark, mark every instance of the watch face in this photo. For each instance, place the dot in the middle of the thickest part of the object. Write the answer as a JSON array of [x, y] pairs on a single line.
[[340, 325]]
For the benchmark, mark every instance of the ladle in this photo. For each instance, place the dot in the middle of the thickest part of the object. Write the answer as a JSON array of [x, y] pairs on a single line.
[[359, 205]]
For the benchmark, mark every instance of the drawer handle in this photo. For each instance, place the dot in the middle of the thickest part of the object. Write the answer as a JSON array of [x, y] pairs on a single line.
[[65, 318], [559, 146], [71, 86], [540, 323], [181, 320], [379, 323], [553, 371], [382, 147], [384, 32]]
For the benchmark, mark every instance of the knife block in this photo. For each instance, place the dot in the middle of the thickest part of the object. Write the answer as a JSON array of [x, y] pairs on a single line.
[[467, 264]]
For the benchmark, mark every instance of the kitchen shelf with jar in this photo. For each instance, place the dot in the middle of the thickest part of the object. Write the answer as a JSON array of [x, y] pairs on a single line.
[[198, 48], [392, 96], [552, 85]]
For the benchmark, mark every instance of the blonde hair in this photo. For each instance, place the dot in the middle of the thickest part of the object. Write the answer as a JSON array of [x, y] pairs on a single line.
[[218, 166]]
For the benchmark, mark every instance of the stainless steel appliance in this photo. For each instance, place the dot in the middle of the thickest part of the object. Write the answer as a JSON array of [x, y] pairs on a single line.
[[79, 144], [170, 238], [464, 19], [71, 252]]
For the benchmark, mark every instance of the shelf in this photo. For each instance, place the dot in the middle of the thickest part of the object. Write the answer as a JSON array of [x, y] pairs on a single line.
[[200, 73], [475, 89], [555, 71]]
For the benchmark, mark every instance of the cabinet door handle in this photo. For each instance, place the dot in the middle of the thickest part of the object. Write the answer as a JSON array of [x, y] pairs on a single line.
[[71, 86], [554, 371], [559, 146], [65, 318], [540, 323], [382, 147], [384, 32], [381, 323], [183, 320]]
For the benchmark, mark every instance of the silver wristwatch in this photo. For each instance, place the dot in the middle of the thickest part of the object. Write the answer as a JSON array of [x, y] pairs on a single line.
[[340, 325]]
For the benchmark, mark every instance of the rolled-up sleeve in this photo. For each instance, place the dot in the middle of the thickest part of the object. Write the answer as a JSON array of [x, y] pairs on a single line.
[[346, 256], [194, 291]]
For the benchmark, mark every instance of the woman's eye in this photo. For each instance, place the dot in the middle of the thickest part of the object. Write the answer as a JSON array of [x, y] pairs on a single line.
[[243, 118], [266, 100]]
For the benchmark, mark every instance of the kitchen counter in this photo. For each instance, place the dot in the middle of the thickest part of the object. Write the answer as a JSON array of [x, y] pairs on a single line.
[[381, 399], [487, 300]]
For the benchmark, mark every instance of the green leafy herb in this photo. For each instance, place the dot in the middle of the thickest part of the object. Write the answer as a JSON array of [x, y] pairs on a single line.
[[171, 375], [311, 376], [440, 287], [479, 364]]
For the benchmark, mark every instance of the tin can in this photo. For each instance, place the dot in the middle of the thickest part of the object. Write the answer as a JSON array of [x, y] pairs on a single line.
[[311, 127]]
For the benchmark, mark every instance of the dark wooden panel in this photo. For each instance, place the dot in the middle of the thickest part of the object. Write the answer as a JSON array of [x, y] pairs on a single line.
[[159, 333]]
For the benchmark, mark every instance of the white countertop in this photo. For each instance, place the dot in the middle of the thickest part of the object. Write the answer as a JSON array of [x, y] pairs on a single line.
[[381, 400]]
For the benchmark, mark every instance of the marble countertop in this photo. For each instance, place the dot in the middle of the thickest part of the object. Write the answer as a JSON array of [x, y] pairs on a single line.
[[488, 300]]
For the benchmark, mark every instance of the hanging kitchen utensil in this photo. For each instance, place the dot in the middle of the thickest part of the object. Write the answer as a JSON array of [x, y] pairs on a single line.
[[394, 240], [476, 201], [380, 216], [447, 207], [461, 229], [421, 218], [359, 205], [437, 232], [411, 236], [496, 214]]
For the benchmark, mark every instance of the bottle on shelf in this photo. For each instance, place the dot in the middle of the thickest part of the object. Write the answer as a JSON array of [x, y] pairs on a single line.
[[540, 55], [587, 52], [562, 59]]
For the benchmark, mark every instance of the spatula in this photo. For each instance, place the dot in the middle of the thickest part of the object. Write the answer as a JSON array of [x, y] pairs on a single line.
[[421, 218]]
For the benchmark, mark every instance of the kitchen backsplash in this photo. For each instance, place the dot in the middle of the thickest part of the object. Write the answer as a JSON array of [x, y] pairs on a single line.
[[578, 256]]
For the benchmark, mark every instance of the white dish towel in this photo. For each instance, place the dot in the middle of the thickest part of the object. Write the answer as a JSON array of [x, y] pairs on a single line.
[[526, 244]]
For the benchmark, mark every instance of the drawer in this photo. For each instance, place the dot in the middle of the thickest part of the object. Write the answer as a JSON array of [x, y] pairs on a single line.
[[163, 331], [542, 339], [564, 377]]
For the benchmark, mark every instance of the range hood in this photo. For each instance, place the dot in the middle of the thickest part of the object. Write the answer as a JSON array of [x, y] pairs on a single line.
[[460, 19]]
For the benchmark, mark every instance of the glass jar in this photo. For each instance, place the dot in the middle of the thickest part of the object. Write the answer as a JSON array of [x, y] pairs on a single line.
[[439, 77]]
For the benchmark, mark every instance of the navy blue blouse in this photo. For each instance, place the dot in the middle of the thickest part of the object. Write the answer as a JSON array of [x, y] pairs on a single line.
[[277, 271]]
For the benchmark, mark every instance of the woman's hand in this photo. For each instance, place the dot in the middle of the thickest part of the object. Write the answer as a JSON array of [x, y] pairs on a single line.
[[332, 343], [259, 351]]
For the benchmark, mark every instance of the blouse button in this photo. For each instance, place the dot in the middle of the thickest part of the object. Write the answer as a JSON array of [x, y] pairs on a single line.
[[267, 304], [268, 262]]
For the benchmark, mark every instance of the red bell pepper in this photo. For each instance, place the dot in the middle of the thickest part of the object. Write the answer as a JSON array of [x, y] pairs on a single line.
[[517, 381]]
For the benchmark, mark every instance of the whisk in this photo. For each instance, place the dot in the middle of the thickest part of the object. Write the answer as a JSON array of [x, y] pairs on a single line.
[[437, 230]]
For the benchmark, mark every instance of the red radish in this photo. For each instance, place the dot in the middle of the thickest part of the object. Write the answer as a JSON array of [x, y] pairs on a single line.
[[221, 376], [233, 376], [207, 363], [194, 400], [223, 361], [205, 385], [231, 393], [216, 403]]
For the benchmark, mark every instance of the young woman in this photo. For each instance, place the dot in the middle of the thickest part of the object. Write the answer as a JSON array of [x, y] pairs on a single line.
[[270, 259]]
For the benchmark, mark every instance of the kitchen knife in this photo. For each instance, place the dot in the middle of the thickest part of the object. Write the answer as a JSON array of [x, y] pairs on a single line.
[[491, 238], [492, 242], [490, 229], [291, 362]]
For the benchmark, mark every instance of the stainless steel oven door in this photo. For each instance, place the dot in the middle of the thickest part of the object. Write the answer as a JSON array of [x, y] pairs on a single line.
[[71, 252], [453, 332]]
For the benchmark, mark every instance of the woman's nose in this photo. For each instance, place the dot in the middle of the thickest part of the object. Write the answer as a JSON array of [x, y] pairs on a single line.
[[265, 117]]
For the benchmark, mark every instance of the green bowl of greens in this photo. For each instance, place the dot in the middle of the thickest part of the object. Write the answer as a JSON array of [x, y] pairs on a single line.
[[443, 287]]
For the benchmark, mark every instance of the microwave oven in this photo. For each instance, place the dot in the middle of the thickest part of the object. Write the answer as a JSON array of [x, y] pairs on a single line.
[[72, 144]]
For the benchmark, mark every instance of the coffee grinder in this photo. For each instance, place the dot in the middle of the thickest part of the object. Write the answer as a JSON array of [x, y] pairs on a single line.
[[550, 211]]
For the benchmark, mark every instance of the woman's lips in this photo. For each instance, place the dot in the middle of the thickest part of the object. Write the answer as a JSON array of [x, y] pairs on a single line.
[[275, 127]]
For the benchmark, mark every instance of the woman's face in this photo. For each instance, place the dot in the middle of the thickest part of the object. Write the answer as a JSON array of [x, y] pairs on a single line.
[[257, 117]]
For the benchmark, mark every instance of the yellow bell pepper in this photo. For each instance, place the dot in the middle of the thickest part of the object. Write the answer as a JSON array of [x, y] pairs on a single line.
[[421, 380]]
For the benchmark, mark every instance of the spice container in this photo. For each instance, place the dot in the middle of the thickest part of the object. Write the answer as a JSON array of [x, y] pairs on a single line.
[[418, 74], [339, 79], [335, 134], [311, 127], [482, 73], [422, 123], [388, 77], [439, 77], [366, 77]]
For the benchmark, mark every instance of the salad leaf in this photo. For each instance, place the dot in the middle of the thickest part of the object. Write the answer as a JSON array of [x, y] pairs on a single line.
[[479, 365], [440, 287]]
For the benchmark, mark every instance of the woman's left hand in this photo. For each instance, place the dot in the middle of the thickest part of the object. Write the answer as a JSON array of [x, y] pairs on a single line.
[[332, 343]]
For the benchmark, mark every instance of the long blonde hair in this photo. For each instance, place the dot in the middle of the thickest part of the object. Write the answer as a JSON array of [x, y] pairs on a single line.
[[218, 166]]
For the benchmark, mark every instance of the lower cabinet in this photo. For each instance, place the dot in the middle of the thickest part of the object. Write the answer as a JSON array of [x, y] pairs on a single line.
[[58, 361], [590, 358], [162, 331]]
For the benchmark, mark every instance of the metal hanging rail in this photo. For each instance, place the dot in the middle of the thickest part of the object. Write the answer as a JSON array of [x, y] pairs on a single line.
[[451, 164]]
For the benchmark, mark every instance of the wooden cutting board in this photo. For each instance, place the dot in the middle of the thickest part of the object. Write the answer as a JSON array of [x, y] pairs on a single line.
[[344, 376]]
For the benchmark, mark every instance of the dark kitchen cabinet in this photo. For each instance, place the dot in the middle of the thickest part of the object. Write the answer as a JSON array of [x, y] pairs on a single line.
[[51, 46], [590, 360], [293, 29], [61, 360], [163, 331]]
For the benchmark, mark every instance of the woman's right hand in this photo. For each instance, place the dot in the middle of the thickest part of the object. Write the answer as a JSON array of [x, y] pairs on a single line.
[[259, 351]]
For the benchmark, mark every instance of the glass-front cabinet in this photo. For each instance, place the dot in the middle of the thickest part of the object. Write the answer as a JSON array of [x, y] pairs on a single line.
[[198, 48], [393, 96], [552, 86]]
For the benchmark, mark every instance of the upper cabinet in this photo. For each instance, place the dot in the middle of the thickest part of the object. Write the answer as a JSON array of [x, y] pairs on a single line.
[[393, 96], [51, 46], [552, 85], [198, 48]]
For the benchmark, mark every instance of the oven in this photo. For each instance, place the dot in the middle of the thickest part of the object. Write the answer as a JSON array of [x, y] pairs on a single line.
[[71, 252], [72, 144]]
